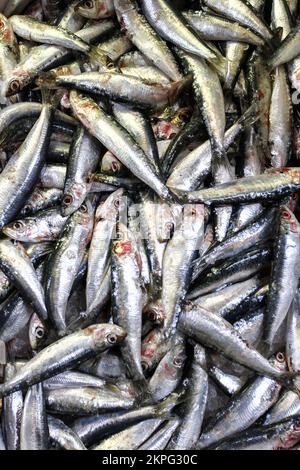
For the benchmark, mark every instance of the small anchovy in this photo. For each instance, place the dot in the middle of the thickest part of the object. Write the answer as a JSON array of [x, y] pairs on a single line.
[[62, 354], [68, 254], [145, 39], [284, 270], [173, 27], [214, 28], [19, 269], [243, 13], [124, 88], [83, 160], [34, 433], [283, 435], [243, 410], [44, 226], [274, 184], [215, 332], [23, 169]]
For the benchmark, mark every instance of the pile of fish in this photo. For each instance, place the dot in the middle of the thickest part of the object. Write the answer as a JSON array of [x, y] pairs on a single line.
[[149, 217]]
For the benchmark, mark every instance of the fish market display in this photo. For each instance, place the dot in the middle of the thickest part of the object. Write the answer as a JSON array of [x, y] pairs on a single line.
[[150, 225]]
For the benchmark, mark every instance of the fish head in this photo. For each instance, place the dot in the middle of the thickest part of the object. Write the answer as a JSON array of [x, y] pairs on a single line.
[[155, 312], [28, 229], [111, 207], [291, 435], [36, 331], [73, 198], [16, 82], [110, 164], [279, 361], [152, 351], [7, 35], [166, 219], [106, 335], [288, 221], [174, 361], [95, 9]]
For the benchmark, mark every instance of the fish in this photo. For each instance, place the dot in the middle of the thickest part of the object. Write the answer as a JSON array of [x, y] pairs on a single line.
[[63, 436], [207, 327], [43, 226], [127, 298], [247, 407], [34, 433], [18, 267], [189, 429], [133, 158], [69, 350], [276, 312], [83, 161], [23, 169], [283, 435], [69, 252], [173, 27]]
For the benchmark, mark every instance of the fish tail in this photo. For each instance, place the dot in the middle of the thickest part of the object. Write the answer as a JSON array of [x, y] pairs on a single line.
[[46, 95], [220, 159], [250, 116], [47, 80], [288, 380], [177, 87], [221, 65], [270, 46], [141, 388], [100, 58]]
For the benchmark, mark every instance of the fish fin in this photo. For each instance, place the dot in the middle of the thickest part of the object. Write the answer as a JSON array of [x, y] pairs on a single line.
[[164, 408], [46, 95], [272, 44], [289, 383], [221, 65], [101, 58], [47, 80], [220, 160], [180, 197], [177, 87], [141, 387], [250, 116]]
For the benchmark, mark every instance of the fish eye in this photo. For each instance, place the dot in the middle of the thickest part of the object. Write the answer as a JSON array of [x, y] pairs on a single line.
[[294, 197], [68, 200], [14, 86], [152, 316], [111, 338], [117, 203], [115, 166], [83, 209], [178, 362], [18, 225], [296, 427], [2, 24], [88, 4], [280, 357], [109, 64], [169, 226], [39, 333], [286, 215], [145, 366]]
